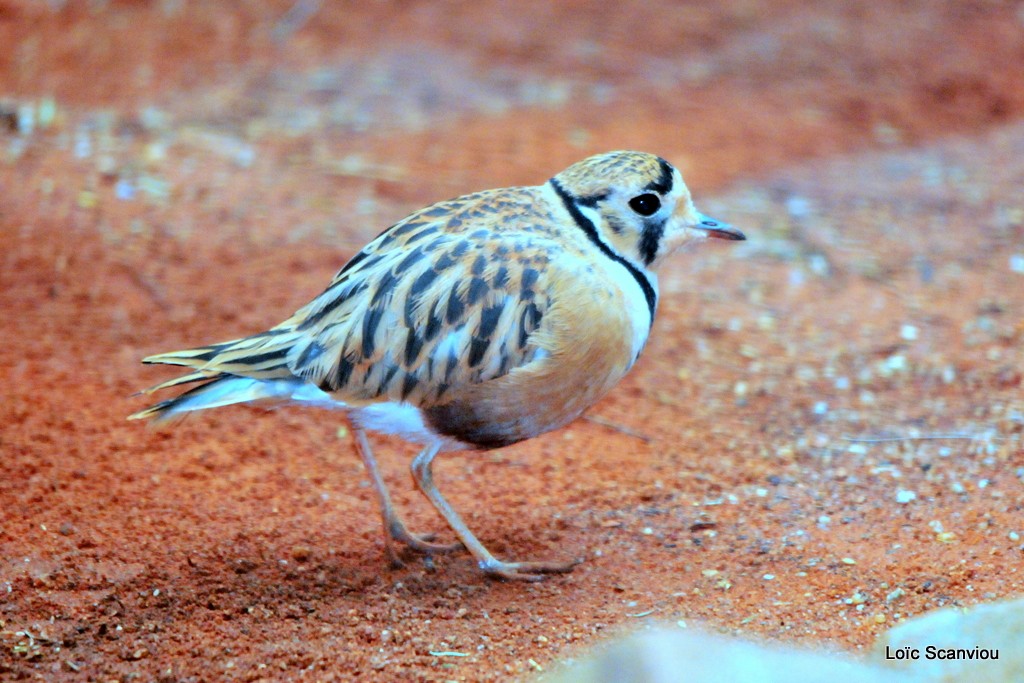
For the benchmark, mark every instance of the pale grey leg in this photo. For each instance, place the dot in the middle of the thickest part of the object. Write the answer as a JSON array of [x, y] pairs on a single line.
[[394, 528], [521, 571]]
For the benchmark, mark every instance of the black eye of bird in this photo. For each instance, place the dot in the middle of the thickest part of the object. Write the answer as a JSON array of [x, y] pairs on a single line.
[[645, 204]]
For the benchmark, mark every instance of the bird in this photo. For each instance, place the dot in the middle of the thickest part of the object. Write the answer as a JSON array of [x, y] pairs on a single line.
[[472, 324]]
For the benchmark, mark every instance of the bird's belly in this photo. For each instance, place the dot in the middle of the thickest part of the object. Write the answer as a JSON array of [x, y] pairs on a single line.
[[503, 414], [531, 400], [403, 420], [460, 425]]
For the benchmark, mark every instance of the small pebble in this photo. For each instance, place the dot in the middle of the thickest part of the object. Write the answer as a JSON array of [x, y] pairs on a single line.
[[903, 496], [895, 363], [83, 145], [86, 199], [819, 265], [47, 112], [124, 190], [26, 119], [798, 207]]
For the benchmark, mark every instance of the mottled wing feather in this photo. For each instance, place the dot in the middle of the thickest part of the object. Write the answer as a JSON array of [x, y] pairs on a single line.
[[449, 297], [260, 356]]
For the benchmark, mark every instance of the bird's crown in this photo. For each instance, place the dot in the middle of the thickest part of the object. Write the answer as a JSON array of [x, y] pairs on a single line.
[[595, 175]]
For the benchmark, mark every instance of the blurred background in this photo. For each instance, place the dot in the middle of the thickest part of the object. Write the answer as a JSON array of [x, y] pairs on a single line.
[[374, 108]]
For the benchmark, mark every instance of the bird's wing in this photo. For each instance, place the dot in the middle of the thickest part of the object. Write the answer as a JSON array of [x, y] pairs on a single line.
[[424, 310], [450, 296]]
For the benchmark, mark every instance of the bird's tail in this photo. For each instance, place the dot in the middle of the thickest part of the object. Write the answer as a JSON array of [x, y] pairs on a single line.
[[239, 371], [228, 389]]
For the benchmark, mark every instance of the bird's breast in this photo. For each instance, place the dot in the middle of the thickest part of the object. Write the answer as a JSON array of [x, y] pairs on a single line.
[[590, 338]]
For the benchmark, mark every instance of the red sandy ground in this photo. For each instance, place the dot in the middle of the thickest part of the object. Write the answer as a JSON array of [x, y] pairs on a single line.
[[245, 544]]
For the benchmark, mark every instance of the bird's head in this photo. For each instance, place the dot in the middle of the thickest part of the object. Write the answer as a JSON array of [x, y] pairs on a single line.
[[637, 204]]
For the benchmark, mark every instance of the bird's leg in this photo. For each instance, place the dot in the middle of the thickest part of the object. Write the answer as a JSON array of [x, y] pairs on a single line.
[[492, 566], [394, 528]]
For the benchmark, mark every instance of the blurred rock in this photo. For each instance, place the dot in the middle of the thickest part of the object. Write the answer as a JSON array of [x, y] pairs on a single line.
[[959, 645], [984, 643], [661, 656]]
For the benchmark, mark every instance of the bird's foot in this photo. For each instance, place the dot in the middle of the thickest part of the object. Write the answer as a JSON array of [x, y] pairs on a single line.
[[525, 571], [420, 543]]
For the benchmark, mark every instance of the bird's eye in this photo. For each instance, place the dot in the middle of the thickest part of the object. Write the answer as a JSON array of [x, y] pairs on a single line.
[[645, 204]]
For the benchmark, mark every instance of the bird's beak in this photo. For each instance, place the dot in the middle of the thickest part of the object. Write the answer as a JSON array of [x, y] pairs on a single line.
[[718, 229]]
